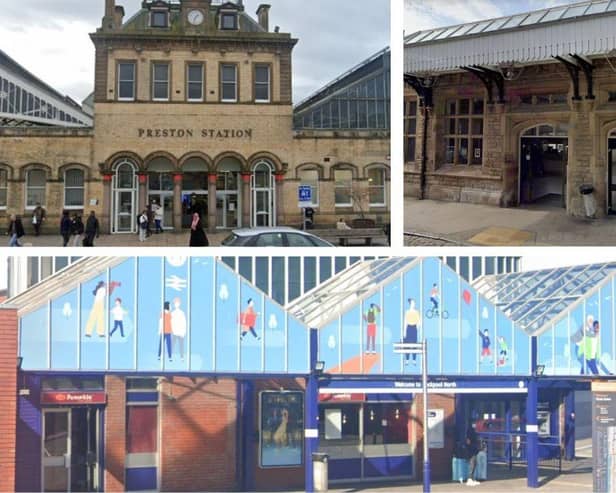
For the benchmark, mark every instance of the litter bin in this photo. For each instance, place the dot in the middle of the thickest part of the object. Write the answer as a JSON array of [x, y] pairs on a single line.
[[590, 203], [320, 471]]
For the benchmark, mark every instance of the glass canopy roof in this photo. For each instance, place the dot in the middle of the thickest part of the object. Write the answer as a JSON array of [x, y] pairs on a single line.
[[589, 7], [535, 299]]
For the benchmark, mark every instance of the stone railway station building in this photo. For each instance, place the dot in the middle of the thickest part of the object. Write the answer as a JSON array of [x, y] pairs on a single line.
[[192, 108], [515, 111]]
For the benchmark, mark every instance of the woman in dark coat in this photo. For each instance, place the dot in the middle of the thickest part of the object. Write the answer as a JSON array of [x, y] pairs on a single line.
[[197, 235], [65, 227], [15, 231]]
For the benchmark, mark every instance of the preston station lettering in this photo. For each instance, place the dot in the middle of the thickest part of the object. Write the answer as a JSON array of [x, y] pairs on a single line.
[[181, 133]]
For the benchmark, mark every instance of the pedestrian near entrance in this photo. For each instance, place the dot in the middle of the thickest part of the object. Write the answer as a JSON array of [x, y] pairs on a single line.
[[143, 225], [92, 230], [472, 446], [77, 229], [38, 218], [157, 210], [65, 228], [198, 238], [15, 231]]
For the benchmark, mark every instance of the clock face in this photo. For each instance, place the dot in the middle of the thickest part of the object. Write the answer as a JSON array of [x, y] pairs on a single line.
[[195, 17]]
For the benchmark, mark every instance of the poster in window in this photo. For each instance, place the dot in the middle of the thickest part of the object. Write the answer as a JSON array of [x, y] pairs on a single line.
[[282, 429], [436, 428], [477, 152], [333, 424]]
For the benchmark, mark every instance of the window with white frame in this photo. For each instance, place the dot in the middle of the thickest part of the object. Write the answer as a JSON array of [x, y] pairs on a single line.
[[74, 189], [343, 187], [126, 81], [310, 178], [228, 83], [262, 83], [3, 188], [160, 81], [36, 180], [194, 82], [376, 186]]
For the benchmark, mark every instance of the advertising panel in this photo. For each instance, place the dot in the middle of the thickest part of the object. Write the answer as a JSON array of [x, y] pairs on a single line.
[[281, 437]]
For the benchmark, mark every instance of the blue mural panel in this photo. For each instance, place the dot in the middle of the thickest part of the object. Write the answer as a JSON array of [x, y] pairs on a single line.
[[94, 322], [65, 331], [393, 329], [564, 348], [521, 352], [252, 329], [298, 337], [229, 322], [413, 320], [329, 346], [433, 312], [503, 344], [122, 310], [470, 339], [352, 354], [153, 320], [34, 340], [274, 336], [577, 329], [176, 279], [488, 334], [451, 321], [201, 323], [605, 357], [372, 330]]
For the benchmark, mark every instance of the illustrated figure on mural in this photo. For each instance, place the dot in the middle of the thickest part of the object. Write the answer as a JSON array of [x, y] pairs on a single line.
[[118, 313], [592, 351], [579, 339], [165, 332], [370, 319], [485, 345], [248, 320], [436, 310], [96, 319], [178, 326], [412, 320], [503, 351]]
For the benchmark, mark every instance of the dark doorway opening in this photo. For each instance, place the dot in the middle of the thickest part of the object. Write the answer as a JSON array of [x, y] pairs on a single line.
[[611, 175], [543, 171]]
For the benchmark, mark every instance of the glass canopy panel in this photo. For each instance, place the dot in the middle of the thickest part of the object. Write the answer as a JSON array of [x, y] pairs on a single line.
[[433, 34], [479, 27], [575, 11], [533, 18], [465, 29], [554, 14], [448, 32], [597, 8], [496, 24], [514, 21], [612, 6], [414, 37]]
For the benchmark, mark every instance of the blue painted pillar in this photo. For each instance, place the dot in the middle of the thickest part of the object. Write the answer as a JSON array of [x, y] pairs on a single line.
[[248, 449], [570, 425], [311, 413], [532, 441]]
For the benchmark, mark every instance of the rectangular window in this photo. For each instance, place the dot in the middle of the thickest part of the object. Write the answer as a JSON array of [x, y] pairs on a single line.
[[73, 188], [160, 81], [194, 82], [228, 21], [36, 180], [126, 81], [410, 130], [228, 83], [386, 423], [262, 83], [141, 429], [343, 187], [462, 132], [3, 188], [159, 18], [376, 187]]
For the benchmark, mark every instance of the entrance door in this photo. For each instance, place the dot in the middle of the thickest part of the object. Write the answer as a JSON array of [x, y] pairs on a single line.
[[70, 449], [124, 198], [263, 195], [543, 170], [194, 202], [611, 176], [165, 200], [227, 212]]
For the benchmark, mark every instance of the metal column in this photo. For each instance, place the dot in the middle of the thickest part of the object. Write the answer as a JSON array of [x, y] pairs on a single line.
[[311, 412], [570, 425], [532, 441]]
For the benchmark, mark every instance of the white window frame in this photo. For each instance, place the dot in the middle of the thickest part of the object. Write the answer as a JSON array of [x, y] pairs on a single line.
[[268, 83], [28, 187], [223, 82], [82, 188], [383, 187], [313, 184], [155, 81], [4, 186], [349, 187], [189, 82], [133, 80]]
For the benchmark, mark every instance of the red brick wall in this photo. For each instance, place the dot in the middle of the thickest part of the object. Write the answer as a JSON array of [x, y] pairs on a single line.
[[115, 433], [198, 435], [440, 459], [8, 397]]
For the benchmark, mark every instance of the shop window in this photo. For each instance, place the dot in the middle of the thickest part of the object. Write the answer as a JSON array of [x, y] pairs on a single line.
[[464, 138], [376, 186], [228, 83], [160, 81], [3, 188], [74, 189], [410, 130], [339, 425], [262, 83], [194, 82], [126, 81], [35, 187], [310, 178], [386, 424], [141, 429], [343, 187]]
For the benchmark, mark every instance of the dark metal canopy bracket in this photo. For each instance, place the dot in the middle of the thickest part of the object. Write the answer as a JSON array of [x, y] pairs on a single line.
[[490, 78], [587, 67], [419, 85], [574, 73]]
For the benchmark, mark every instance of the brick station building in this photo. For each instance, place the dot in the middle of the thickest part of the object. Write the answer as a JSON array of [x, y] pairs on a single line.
[[192, 109], [516, 110]]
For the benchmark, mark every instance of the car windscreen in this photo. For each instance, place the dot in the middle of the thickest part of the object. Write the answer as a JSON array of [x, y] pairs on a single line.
[[232, 240]]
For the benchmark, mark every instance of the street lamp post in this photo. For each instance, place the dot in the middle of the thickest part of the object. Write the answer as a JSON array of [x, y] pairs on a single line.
[[421, 348]]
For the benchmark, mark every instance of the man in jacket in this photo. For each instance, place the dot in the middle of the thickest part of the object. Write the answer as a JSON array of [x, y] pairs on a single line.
[[92, 230]]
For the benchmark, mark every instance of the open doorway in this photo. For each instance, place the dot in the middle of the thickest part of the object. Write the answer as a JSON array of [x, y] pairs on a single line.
[[543, 166]]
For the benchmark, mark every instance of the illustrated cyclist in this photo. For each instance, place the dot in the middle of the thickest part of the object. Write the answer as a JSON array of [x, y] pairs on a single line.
[[434, 297]]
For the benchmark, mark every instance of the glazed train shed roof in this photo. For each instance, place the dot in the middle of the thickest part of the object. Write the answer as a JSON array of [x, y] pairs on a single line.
[[585, 28]]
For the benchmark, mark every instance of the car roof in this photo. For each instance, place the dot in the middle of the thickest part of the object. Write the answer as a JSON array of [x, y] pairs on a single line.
[[266, 229]]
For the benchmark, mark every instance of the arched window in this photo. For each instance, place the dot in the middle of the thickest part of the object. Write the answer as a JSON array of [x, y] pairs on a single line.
[[74, 188], [309, 177], [3, 187], [263, 194], [376, 186], [343, 187], [36, 180], [124, 197]]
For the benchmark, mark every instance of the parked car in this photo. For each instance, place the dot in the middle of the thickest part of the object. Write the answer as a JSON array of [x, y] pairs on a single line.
[[276, 236]]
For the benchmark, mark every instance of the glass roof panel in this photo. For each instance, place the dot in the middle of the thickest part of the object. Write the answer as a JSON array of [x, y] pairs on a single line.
[[448, 32], [533, 18], [596, 8], [465, 29], [514, 21], [434, 34], [413, 37], [479, 27], [497, 24], [554, 14], [575, 11], [612, 6]]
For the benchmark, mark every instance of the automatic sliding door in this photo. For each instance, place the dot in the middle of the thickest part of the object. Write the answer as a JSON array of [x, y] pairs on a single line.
[[56, 450]]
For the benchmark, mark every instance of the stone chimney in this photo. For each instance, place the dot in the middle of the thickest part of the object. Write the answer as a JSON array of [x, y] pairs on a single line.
[[263, 13], [109, 19], [118, 16]]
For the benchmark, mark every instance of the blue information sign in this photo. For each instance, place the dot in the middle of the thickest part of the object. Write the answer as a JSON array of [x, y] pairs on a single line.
[[304, 193]]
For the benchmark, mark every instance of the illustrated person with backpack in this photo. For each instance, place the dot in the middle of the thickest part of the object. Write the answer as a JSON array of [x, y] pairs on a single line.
[[370, 318], [248, 320], [92, 230], [15, 231], [485, 345], [77, 229], [38, 217], [65, 228], [143, 225]]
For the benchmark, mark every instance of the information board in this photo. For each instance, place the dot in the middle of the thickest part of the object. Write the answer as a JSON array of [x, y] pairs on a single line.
[[604, 437]]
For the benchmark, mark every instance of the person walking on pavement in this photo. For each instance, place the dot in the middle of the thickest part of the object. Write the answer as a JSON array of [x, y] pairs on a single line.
[[77, 229], [197, 235], [150, 214], [65, 228], [38, 218], [15, 231], [143, 225], [157, 210], [92, 230]]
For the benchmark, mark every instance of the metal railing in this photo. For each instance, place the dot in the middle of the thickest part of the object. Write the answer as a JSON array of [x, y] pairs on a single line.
[[510, 449]]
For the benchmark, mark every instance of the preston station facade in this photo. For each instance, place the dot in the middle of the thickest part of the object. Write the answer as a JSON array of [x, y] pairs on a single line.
[[192, 108]]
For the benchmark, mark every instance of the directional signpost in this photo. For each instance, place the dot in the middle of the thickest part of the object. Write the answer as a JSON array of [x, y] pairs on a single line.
[[304, 198]]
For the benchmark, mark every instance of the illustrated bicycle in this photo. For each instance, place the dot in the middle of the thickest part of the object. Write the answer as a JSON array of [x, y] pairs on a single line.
[[435, 312]]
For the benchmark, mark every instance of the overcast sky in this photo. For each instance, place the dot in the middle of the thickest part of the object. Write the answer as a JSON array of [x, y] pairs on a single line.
[[428, 14], [50, 37]]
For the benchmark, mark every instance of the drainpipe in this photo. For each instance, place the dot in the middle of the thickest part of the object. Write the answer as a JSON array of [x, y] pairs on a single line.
[[424, 159]]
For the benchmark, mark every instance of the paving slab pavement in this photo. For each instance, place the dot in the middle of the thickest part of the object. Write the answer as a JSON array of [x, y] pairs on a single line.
[[460, 222]]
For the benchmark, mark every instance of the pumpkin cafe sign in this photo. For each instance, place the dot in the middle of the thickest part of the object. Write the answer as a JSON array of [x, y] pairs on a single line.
[[189, 133]]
